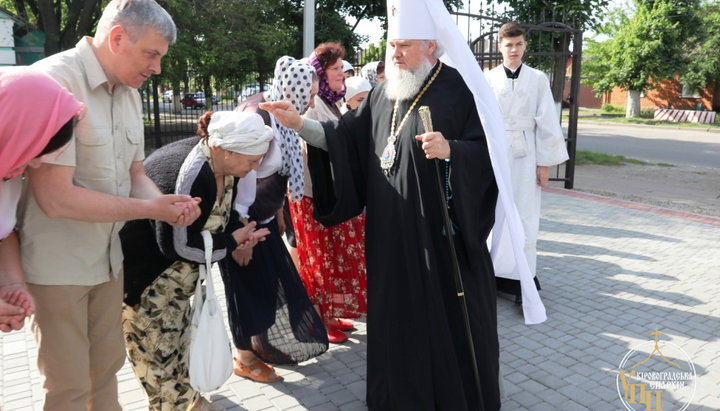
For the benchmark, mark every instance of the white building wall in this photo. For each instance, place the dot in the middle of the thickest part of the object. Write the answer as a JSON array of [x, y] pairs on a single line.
[[7, 43]]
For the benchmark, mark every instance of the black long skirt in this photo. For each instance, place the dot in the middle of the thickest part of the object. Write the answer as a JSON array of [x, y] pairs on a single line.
[[268, 308]]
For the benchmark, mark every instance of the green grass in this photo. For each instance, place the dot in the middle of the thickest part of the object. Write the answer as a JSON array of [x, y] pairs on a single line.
[[613, 116], [651, 122], [620, 110], [610, 108], [583, 157], [646, 121]]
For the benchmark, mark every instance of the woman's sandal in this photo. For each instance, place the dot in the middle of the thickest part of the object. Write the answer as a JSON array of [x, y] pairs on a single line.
[[257, 371]]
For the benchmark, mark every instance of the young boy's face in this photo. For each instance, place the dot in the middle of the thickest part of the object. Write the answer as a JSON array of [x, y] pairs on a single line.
[[512, 49]]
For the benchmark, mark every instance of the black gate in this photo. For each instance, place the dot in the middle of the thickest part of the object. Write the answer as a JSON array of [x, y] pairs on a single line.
[[168, 118], [552, 47]]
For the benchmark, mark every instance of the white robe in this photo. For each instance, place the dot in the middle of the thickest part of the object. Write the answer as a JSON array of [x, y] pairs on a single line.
[[532, 127]]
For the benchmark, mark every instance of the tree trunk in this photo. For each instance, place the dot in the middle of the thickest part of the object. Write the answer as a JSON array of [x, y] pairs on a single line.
[[208, 93], [83, 15], [177, 96], [50, 26], [633, 104], [716, 96]]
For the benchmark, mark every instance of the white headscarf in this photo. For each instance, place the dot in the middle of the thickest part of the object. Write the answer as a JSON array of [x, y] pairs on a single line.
[[356, 85], [292, 82], [507, 233], [239, 132]]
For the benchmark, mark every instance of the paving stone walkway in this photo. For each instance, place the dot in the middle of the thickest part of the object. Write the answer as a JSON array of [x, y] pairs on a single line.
[[612, 273]]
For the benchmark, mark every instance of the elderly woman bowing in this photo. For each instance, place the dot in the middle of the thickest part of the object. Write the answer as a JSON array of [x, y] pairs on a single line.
[[161, 262], [271, 317]]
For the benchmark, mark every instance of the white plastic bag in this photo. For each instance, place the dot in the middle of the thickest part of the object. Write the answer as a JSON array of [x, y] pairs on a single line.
[[210, 351]]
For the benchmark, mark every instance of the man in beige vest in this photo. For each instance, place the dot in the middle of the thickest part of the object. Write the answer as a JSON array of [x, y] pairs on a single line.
[[80, 198]]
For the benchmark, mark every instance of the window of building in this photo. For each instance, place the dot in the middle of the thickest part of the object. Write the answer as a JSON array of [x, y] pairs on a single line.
[[688, 92]]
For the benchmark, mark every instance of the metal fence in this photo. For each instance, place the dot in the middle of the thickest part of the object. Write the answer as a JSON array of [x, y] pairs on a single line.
[[167, 120]]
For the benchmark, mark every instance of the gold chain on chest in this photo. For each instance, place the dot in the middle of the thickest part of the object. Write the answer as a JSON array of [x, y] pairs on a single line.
[[388, 156], [412, 106]]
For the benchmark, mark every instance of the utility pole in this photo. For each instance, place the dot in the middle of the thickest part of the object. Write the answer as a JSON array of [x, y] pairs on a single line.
[[309, 28]]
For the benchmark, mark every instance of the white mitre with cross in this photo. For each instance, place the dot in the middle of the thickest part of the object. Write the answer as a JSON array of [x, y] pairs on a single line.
[[410, 20]]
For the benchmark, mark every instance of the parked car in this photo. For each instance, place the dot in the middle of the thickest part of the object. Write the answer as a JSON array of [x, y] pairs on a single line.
[[167, 96], [215, 99], [196, 100], [192, 100], [252, 89]]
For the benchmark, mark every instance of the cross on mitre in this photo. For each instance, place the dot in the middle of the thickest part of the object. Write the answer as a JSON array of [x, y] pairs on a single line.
[[410, 20]]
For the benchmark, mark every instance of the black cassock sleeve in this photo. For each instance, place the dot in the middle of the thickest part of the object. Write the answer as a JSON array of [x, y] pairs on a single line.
[[472, 180], [339, 175]]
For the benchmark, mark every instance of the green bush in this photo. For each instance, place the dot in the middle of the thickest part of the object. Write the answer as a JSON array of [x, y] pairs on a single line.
[[647, 112], [615, 109], [611, 108]]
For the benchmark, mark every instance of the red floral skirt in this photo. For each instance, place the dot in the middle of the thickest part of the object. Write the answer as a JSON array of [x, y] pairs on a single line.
[[332, 262]]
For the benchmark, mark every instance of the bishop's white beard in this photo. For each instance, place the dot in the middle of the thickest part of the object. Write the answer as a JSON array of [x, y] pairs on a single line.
[[405, 84]]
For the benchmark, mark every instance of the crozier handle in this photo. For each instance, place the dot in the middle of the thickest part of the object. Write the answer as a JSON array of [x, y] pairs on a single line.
[[426, 119]]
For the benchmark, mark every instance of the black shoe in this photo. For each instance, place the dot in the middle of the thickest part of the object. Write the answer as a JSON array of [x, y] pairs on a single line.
[[518, 299]]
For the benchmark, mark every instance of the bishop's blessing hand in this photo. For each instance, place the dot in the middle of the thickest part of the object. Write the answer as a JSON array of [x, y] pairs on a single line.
[[285, 113]]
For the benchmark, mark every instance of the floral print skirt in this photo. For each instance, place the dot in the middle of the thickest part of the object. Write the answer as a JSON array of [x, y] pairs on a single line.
[[332, 262]]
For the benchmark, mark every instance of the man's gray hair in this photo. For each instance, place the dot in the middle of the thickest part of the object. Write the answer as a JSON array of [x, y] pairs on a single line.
[[438, 48], [136, 16]]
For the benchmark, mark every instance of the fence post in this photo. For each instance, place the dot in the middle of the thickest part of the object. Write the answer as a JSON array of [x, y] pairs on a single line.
[[156, 112], [573, 109]]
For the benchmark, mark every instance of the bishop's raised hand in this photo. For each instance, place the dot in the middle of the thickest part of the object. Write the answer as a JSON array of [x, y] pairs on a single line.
[[285, 113]]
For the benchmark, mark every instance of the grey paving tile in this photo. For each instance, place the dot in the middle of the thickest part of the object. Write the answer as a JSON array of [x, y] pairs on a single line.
[[610, 276]]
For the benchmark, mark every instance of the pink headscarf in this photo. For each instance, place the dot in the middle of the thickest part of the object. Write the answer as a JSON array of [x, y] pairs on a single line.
[[33, 107]]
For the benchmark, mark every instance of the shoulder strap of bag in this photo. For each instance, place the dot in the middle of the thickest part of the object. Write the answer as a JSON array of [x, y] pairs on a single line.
[[205, 272], [199, 298]]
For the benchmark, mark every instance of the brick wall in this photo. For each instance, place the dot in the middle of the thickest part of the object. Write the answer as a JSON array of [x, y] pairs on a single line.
[[668, 94]]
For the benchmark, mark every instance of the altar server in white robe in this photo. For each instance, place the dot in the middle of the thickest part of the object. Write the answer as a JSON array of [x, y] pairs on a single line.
[[532, 128]]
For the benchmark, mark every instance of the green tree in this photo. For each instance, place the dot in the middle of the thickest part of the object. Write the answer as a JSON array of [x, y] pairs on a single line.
[[581, 15], [644, 48], [331, 23], [224, 43], [704, 60], [374, 53], [63, 22]]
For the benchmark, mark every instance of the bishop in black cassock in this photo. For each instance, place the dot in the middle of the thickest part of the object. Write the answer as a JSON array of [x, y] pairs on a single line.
[[418, 354], [418, 351]]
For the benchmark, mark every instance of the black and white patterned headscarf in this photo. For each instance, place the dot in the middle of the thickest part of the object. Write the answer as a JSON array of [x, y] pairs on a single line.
[[369, 71], [292, 82]]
